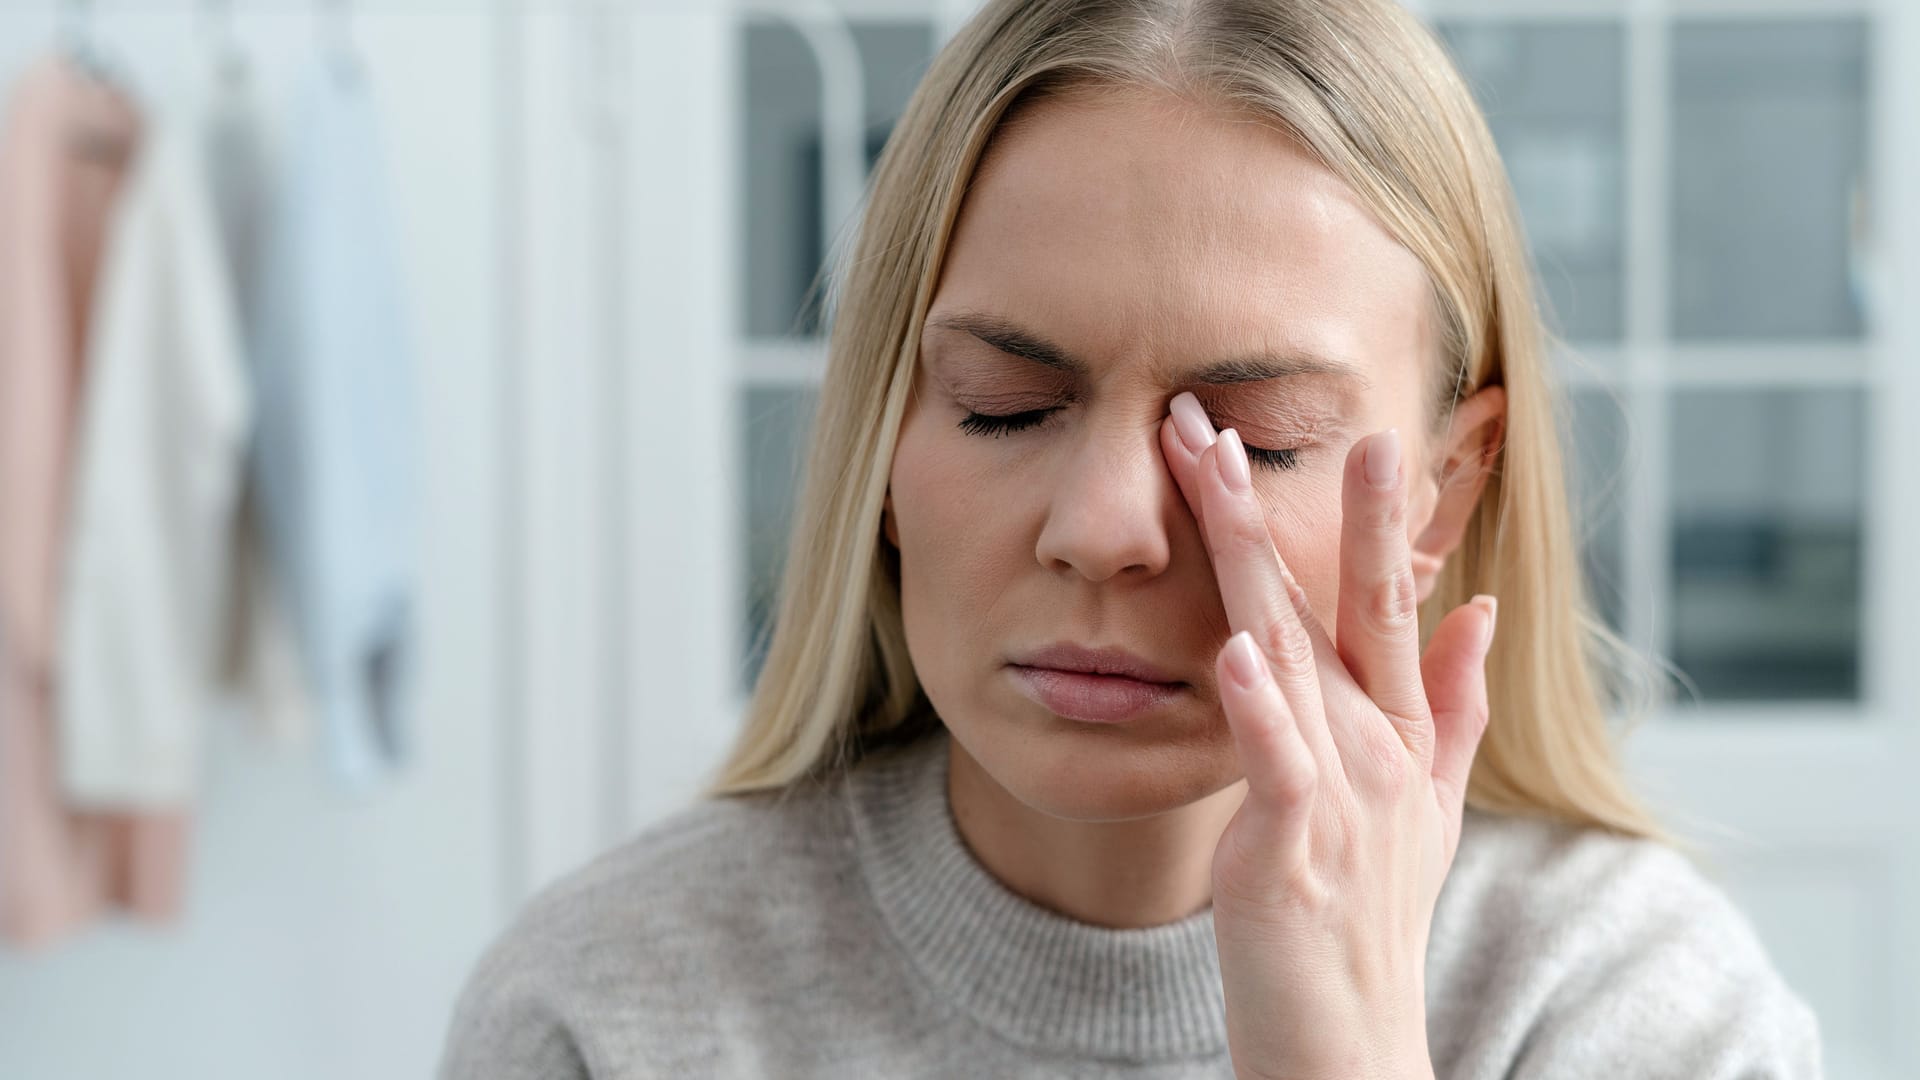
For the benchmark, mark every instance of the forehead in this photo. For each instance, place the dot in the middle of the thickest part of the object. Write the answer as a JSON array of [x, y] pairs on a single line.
[[1143, 228]]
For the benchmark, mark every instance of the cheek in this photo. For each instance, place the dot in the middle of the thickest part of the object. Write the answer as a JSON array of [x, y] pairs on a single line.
[[962, 553], [958, 537], [1303, 516], [930, 490]]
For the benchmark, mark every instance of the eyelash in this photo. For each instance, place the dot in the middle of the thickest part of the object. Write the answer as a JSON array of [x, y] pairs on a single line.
[[995, 426]]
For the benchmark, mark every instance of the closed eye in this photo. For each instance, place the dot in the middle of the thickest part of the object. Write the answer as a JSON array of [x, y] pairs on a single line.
[[996, 426], [990, 426]]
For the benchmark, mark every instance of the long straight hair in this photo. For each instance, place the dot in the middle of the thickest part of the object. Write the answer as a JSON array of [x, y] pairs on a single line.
[[1366, 88]]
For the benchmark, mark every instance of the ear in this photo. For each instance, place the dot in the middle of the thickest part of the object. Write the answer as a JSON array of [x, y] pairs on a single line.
[[1446, 502], [887, 524]]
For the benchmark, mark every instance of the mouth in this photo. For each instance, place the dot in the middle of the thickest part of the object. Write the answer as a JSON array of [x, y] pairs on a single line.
[[1108, 660], [1098, 685], [1100, 699]]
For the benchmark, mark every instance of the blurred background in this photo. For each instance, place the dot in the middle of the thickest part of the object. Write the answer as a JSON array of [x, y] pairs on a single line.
[[604, 219]]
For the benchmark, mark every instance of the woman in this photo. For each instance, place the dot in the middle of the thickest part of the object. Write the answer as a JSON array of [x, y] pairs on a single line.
[[1135, 706]]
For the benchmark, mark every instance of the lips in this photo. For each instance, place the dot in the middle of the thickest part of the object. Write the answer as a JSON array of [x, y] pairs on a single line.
[[1100, 699], [1099, 685], [1067, 656]]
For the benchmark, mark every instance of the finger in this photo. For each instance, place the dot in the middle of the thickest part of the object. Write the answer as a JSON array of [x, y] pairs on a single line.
[[1183, 464], [1379, 611], [1455, 670], [1281, 775], [1184, 434], [1261, 597]]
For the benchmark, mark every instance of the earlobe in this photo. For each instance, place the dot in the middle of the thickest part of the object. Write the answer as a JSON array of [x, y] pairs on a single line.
[[1426, 572], [1474, 442]]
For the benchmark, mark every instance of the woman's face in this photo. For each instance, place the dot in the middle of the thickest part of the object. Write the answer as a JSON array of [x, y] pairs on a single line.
[[1145, 248]]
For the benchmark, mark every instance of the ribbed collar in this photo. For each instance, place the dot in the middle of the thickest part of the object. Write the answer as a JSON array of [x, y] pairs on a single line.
[[1038, 978]]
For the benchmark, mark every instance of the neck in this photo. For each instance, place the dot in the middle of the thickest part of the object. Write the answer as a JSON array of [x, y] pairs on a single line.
[[1035, 977]]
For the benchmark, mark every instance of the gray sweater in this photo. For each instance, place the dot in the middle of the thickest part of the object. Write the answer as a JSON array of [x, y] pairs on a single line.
[[844, 930]]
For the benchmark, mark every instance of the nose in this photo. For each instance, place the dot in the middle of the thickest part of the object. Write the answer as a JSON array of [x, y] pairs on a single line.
[[1111, 507]]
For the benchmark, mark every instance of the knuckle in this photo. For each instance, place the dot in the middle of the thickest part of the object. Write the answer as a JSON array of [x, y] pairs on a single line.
[[1245, 534], [1298, 781], [1419, 735], [1290, 649], [1390, 767], [1419, 739], [1386, 516], [1394, 603], [1472, 720]]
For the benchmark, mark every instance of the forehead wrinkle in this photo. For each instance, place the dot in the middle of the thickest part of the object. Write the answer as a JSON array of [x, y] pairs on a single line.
[[1271, 368], [1261, 367]]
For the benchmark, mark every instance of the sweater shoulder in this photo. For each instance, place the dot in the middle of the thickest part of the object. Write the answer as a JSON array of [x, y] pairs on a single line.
[[720, 894], [696, 864], [696, 878], [1522, 868], [1590, 945]]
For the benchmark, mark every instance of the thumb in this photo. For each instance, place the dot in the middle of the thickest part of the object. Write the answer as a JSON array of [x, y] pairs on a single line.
[[1454, 670]]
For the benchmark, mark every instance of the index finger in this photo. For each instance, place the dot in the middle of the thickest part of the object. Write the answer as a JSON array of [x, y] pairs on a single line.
[[1261, 595], [1185, 434]]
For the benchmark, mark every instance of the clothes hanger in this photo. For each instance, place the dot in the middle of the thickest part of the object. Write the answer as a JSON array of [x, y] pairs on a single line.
[[336, 19], [229, 62], [76, 40], [78, 49]]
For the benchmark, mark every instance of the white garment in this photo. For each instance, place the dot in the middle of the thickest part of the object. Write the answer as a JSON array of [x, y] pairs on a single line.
[[160, 568]]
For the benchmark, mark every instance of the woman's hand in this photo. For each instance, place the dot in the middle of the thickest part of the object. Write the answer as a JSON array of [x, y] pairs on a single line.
[[1356, 758]]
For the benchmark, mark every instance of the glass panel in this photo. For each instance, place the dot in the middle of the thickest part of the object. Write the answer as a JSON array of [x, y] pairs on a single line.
[[1552, 94], [780, 105], [1769, 162], [774, 425], [1767, 498], [784, 241], [1598, 452]]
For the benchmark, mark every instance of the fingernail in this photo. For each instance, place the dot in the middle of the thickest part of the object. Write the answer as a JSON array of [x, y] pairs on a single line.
[[1232, 459], [1244, 662], [1190, 420], [1383, 459], [1492, 604]]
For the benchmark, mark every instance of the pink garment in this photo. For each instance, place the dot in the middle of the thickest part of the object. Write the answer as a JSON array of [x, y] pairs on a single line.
[[65, 144]]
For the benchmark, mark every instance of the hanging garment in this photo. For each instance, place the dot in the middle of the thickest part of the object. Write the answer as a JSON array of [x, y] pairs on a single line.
[[261, 659], [65, 145], [153, 568], [335, 445]]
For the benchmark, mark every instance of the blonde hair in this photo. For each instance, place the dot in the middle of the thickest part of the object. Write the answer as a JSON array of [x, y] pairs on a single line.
[[1365, 87]]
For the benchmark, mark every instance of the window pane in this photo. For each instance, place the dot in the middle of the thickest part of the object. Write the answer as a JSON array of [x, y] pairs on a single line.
[[1767, 497], [780, 105], [784, 238], [774, 427], [1552, 95], [1769, 159], [1599, 463]]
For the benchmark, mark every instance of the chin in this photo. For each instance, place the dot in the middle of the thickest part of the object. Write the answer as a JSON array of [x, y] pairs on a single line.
[[1098, 772]]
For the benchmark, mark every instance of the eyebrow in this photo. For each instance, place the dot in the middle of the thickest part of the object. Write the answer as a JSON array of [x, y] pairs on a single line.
[[1012, 339]]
